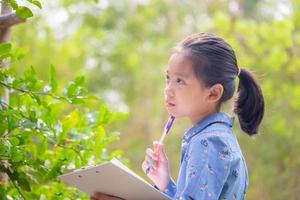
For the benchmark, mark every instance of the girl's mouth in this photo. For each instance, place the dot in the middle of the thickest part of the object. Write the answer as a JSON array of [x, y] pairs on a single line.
[[169, 104]]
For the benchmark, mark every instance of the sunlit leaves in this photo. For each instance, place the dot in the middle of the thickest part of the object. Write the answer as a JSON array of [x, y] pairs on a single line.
[[23, 11], [7, 54], [35, 2], [5, 49], [40, 140]]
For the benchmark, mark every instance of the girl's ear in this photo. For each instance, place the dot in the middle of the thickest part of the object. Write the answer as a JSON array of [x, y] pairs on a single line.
[[215, 92]]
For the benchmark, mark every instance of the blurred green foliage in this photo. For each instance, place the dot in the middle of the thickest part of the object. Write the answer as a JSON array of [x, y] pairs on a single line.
[[47, 130], [44, 135], [122, 47]]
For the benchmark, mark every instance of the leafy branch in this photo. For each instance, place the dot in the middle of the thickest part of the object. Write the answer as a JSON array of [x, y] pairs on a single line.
[[33, 93]]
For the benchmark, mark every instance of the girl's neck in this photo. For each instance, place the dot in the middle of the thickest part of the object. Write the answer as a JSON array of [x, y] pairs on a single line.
[[196, 119]]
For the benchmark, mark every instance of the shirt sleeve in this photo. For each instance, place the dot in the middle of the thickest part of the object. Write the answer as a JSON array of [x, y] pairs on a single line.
[[171, 189], [208, 164]]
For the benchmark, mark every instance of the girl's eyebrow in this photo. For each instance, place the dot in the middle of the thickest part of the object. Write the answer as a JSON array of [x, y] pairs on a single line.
[[179, 74]]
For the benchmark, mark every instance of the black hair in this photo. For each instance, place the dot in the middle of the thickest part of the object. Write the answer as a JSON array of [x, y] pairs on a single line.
[[214, 61]]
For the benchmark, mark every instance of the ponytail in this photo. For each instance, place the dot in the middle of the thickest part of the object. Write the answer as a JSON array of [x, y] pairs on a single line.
[[249, 105]]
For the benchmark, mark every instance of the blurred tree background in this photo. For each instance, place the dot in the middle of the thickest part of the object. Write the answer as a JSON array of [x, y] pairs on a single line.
[[122, 48]]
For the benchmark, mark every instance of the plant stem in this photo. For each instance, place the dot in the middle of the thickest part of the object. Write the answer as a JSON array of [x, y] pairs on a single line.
[[31, 93], [18, 190]]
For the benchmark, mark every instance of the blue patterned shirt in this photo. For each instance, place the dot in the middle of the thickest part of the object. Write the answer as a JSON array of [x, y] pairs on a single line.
[[212, 164]]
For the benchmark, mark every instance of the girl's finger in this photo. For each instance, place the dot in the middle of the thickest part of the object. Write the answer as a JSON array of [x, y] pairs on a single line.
[[155, 145], [150, 158], [144, 166], [149, 161], [154, 168], [152, 161], [150, 153]]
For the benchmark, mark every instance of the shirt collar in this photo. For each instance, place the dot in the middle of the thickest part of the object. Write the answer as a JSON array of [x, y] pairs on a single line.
[[218, 117]]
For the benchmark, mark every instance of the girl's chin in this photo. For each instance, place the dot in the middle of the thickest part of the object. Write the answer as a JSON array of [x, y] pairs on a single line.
[[172, 113]]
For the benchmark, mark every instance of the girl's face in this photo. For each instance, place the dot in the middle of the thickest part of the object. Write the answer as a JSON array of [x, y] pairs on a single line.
[[185, 95]]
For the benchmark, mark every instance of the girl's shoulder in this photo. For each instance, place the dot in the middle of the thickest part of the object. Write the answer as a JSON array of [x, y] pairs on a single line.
[[220, 141], [217, 132], [218, 138]]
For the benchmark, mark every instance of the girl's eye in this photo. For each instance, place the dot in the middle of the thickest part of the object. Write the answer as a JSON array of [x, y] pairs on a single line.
[[180, 81], [167, 77]]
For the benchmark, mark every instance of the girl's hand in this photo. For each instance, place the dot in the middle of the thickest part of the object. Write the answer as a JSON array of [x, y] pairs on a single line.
[[101, 196], [159, 172]]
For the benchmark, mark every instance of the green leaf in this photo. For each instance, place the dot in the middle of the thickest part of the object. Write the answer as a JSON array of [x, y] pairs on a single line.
[[24, 183], [30, 74], [13, 174], [104, 114], [2, 193], [24, 12], [79, 80], [21, 139], [77, 100], [53, 79], [116, 153], [37, 99], [30, 78], [111, 138], [18, 54], [35, 2], [16, 154], [72, 90], [4, 149], [32, 115], [14, 141], [5, 48]]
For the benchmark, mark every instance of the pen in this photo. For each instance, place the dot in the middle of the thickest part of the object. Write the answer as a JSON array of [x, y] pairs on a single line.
[[165, 132]]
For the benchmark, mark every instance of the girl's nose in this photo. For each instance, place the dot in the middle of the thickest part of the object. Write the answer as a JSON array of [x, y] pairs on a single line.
[[169, 91]]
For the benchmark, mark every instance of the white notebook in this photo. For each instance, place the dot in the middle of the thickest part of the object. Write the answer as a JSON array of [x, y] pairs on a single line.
[[112, 178]]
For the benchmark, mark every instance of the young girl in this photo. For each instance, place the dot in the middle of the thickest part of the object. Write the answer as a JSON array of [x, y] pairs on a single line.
[[201, 75]]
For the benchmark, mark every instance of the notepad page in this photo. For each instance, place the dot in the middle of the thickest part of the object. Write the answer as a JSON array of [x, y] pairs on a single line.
[[121, 165]]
